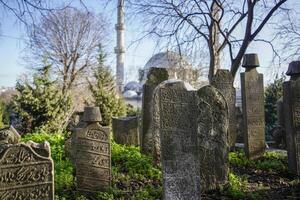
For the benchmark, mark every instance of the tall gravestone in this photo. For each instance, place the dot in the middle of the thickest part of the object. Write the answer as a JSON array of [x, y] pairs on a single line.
[[213, 123], [126, 130], [253, 107], [26, 169], [291, 100], [93, 153], [223, 81], [191, 134], [154, 78], [176, 120]]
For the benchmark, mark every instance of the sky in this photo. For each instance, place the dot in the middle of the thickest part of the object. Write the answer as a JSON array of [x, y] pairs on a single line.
[[13, 43]]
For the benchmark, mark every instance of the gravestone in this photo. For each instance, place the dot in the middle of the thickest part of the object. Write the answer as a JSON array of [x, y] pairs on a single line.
[[93, 154], [125, 130], [154, 78], [213, 123], [191, 134], [291, 100], [223, 81], [176, 120], [253, 108], [278, 132], [26, 169]]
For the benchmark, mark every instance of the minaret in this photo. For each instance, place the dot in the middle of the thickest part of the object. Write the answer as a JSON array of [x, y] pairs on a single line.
[[120, 49]]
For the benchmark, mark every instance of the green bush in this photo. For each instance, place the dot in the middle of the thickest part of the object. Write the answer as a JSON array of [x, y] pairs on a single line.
[[41, 105], [2, 110], [273, 93], [238, 188], [270, 161]]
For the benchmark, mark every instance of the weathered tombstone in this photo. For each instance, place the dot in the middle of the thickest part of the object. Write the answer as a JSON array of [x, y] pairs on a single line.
[[191, 133], [26, 169], [291, 100], [175, 112], [213, 122], [253, 107], [223, 81], [93, 154], [154, 78], [125, 130]]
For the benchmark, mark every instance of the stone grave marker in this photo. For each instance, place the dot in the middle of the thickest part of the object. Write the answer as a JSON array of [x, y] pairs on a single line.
[[223, 81], [213, 123], [253, 108], [126, 130], [175, 112], [291, 101], [191, 134], [155, 77], [93, 153], [26, 169]]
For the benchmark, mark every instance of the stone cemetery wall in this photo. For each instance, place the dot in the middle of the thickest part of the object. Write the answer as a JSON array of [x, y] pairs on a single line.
[[291, 100], [191, 138], [223, 81], [126, 130], [253, 108], [93, 153], [155, 77], [26, 170]]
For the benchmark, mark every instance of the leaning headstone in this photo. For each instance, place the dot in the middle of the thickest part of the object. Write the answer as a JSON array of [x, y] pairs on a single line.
[[26, 169], [213, 123], [223, 81], [291, 100], [125, 130], [176, 114], [93, 154], [154, 78], [191, 132], [253, 107]]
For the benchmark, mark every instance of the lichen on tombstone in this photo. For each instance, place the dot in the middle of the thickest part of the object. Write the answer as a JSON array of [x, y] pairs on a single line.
[[92, 148], [223, 81], [26, 169], [253, 108]]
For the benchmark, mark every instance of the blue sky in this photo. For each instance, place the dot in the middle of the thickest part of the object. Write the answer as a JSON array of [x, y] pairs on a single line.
[[12, 44]]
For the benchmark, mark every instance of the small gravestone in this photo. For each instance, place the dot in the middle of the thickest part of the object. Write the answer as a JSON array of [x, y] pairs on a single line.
[[176, 118], [253, 108], [213, 122], [223, 81], [125, 130], [93, 154], [154, 78], [26, 169], [291, 100]]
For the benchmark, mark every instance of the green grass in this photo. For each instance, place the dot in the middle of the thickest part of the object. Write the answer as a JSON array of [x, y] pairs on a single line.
[[269, 161]]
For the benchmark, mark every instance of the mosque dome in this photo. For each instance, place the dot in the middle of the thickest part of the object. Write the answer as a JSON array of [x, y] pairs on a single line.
[[130, 94], [133, 86], [168, 59]]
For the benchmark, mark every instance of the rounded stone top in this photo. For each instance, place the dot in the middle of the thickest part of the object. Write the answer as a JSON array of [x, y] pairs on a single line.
[[250, 60], [92, 114], [294, 68]]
